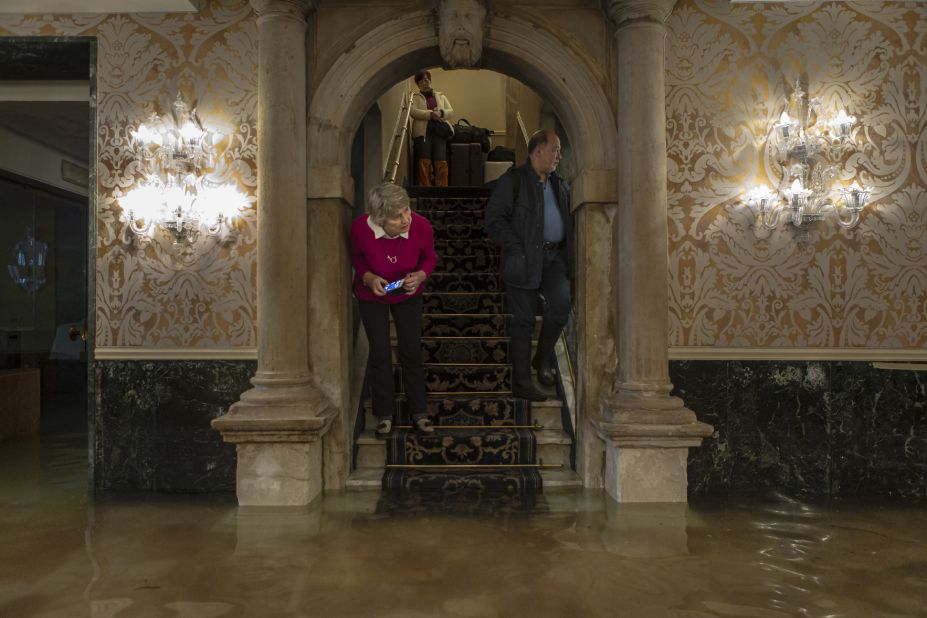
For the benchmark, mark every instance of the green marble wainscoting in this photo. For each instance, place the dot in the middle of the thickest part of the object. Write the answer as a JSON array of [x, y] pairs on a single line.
[[151, 428], [808, 429]]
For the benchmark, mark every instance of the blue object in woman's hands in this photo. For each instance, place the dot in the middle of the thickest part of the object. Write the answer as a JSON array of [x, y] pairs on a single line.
[[394, 288]]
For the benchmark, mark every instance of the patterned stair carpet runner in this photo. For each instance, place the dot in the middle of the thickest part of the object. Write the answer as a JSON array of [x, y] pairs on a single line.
[[469, 381]]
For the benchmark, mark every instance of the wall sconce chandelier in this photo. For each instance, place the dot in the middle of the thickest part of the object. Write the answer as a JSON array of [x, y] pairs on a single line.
[[808, 150], [182, 189]]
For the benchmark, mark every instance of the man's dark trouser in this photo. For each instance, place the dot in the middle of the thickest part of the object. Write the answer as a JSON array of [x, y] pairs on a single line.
[[407, 315], [555, 286]]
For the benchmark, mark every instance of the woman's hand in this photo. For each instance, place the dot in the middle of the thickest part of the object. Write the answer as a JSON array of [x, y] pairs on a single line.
[[436, 115], [413, 280], [374, 283]]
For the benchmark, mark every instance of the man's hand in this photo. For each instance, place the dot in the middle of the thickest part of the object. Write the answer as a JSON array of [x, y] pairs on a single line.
[[412, 281], [374, 283]]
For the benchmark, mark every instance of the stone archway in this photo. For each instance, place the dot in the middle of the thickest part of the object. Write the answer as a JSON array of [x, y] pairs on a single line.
[[380, 58], [293, 428]]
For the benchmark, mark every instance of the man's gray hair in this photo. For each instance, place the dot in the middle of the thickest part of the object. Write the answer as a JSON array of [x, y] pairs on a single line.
[[539, 138], [385, 201]]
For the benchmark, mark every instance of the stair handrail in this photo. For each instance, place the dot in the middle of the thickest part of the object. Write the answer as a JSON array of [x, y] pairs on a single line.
[[400, 132], [521, 126]]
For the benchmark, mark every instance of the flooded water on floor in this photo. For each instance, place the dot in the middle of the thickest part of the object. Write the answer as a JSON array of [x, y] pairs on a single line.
[[574, 553]]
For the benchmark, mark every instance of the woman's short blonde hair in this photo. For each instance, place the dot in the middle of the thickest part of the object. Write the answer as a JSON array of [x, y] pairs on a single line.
[[385, 201]]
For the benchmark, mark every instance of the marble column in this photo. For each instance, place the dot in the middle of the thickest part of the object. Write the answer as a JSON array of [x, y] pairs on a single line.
[[278, 425], [647, 432]]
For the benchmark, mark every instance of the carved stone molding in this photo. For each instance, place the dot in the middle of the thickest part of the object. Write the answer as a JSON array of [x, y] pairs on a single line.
[[624, 11], [296, 10], [460, 32]]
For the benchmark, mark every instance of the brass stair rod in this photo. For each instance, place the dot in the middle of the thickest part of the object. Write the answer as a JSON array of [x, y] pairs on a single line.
[[535, 426], [537, 465]]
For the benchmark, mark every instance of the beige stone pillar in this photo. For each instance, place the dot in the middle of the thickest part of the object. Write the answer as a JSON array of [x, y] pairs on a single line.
[[278, 424], [330, 337], [647, 432], [595, 202]]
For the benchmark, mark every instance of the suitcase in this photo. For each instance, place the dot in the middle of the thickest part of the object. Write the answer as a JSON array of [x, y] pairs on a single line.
[[466, 165], [476, 165], [459, 164]]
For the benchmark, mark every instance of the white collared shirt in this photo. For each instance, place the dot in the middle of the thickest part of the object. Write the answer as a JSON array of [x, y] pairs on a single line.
[[379, 232]]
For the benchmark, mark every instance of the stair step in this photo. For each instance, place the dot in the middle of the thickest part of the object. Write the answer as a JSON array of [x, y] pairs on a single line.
[[470, 232], [439, 218], [464, 282], [486, 446], [492, 409], [372, 478], [365, 478], [563, 477], [480, 262], [463, 325], [466, 326], [459, 350], [460, 248], [449, 195], [547, 413], [464, 302], [462, 378], [552, 447], [546, 437]]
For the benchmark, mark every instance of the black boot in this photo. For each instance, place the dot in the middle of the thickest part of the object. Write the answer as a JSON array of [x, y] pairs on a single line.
[[522, 387], [543, 361]]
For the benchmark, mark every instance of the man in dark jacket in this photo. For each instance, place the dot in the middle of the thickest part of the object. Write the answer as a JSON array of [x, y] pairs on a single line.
[[529, 216]]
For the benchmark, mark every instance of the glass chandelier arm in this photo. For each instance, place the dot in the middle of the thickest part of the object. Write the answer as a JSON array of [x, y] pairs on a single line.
[[770, 218], [139, 226], [850, 221]]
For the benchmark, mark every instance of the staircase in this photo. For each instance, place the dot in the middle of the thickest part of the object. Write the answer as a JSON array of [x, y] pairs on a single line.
[[480, 424]]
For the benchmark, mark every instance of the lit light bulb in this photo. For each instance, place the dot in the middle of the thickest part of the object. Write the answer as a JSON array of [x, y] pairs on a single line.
[[758, 197], [147, 136], [842, 123], [855, 197], [784, 126]]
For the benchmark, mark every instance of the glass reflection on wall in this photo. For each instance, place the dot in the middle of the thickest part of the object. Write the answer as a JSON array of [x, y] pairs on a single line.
[[43, 293]]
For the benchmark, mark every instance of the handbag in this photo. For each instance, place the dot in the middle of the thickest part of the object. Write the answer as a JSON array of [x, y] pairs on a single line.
[[466, 133], [501, 153], [443, 129]]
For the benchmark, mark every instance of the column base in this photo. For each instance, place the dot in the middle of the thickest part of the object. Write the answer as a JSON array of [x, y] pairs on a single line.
[[278, 474], [279, 450], [647, 446], [646, 475]]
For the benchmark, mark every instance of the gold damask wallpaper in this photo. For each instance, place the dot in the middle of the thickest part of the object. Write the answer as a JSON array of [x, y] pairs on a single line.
[[729, 69], [148, 294]]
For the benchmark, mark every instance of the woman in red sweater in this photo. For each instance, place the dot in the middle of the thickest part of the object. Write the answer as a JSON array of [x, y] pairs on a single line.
[[392, 244]]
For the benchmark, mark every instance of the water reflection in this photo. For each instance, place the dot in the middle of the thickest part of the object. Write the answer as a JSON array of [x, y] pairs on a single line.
[[567, 553]]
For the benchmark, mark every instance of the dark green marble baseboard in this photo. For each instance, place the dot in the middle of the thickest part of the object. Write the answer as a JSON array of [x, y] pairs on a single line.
[[151, 424], [815, 430], [818, 430]]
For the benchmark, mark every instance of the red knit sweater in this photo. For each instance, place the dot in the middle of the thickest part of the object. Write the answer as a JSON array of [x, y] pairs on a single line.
[[391, 258]]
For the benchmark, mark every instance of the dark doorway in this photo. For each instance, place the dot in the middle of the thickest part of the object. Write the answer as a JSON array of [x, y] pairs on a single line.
[[46, 188]]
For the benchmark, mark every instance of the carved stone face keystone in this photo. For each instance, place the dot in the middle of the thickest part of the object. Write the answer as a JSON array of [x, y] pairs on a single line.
[[460, 32]]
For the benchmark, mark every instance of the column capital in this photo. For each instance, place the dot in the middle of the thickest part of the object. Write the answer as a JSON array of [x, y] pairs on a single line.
[[624, 11], [296, 10]]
